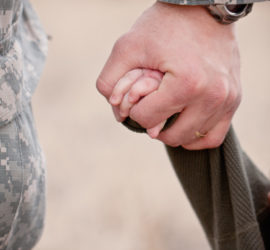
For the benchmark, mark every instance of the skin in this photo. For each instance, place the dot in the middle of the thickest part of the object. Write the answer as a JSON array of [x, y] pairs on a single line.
[[196, 72], [199, 60], [130, 89]]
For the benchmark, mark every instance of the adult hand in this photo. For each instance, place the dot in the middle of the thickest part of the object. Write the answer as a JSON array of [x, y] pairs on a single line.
[[200, 61]]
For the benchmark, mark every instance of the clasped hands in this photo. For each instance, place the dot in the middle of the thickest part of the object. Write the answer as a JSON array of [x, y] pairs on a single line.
[[176, 59]]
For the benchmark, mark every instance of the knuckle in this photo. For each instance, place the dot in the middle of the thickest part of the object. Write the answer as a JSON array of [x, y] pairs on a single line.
[[192, 84], [137, 89], [232, 97], [148, 84], [138, 116], [118, 45], [238, 101], [190, 87], [220, 94], [215, 141], [170, 141], [172, 144], [191, 147], [173, 98], [133, 75], [133, 93], [103, 87], [235, 96], [154, 74], [217, 95], [124, 44], [177, 97]]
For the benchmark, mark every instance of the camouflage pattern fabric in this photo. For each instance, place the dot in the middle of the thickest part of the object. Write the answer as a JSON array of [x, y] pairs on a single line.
[[209, 2], [22, 184], [23, 47]]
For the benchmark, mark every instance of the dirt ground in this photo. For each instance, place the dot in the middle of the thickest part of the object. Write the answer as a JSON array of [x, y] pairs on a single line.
[[109, 188]]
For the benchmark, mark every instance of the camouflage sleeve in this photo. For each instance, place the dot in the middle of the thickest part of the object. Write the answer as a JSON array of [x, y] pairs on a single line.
[[23, 46], [209, 2]]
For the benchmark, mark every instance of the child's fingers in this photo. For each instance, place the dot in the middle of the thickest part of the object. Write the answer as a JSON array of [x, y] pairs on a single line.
[[123, 85], [153, 74], [141, 81], [125, 106], [154, 132], [142, 87], [117, 115]]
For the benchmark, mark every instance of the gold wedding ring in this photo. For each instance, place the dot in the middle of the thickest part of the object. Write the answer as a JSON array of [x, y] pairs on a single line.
[[199, 135]]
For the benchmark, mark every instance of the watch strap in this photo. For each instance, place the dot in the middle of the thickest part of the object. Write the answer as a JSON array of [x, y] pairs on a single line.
[[227, 14]]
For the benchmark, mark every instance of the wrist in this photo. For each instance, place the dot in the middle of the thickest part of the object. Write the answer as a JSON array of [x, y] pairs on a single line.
[[192, 13], [223, 13], [194, 20], [227, 14]]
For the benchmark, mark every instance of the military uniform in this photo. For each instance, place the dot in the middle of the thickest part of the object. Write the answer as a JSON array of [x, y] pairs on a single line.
[[22, 173]]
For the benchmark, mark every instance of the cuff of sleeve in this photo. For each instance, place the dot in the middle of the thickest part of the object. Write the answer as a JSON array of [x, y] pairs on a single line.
[[136, 127]]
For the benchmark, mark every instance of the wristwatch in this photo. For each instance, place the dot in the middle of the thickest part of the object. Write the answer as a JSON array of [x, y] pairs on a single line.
[[227, 14]]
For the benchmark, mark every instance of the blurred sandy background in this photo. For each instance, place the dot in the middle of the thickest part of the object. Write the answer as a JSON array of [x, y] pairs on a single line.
[[107, 187]]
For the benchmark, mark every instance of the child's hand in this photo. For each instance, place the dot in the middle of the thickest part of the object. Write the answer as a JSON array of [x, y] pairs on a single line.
[[130, 89]]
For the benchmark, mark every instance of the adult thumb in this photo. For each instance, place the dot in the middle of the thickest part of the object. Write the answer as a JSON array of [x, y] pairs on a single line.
[[123, 58]]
